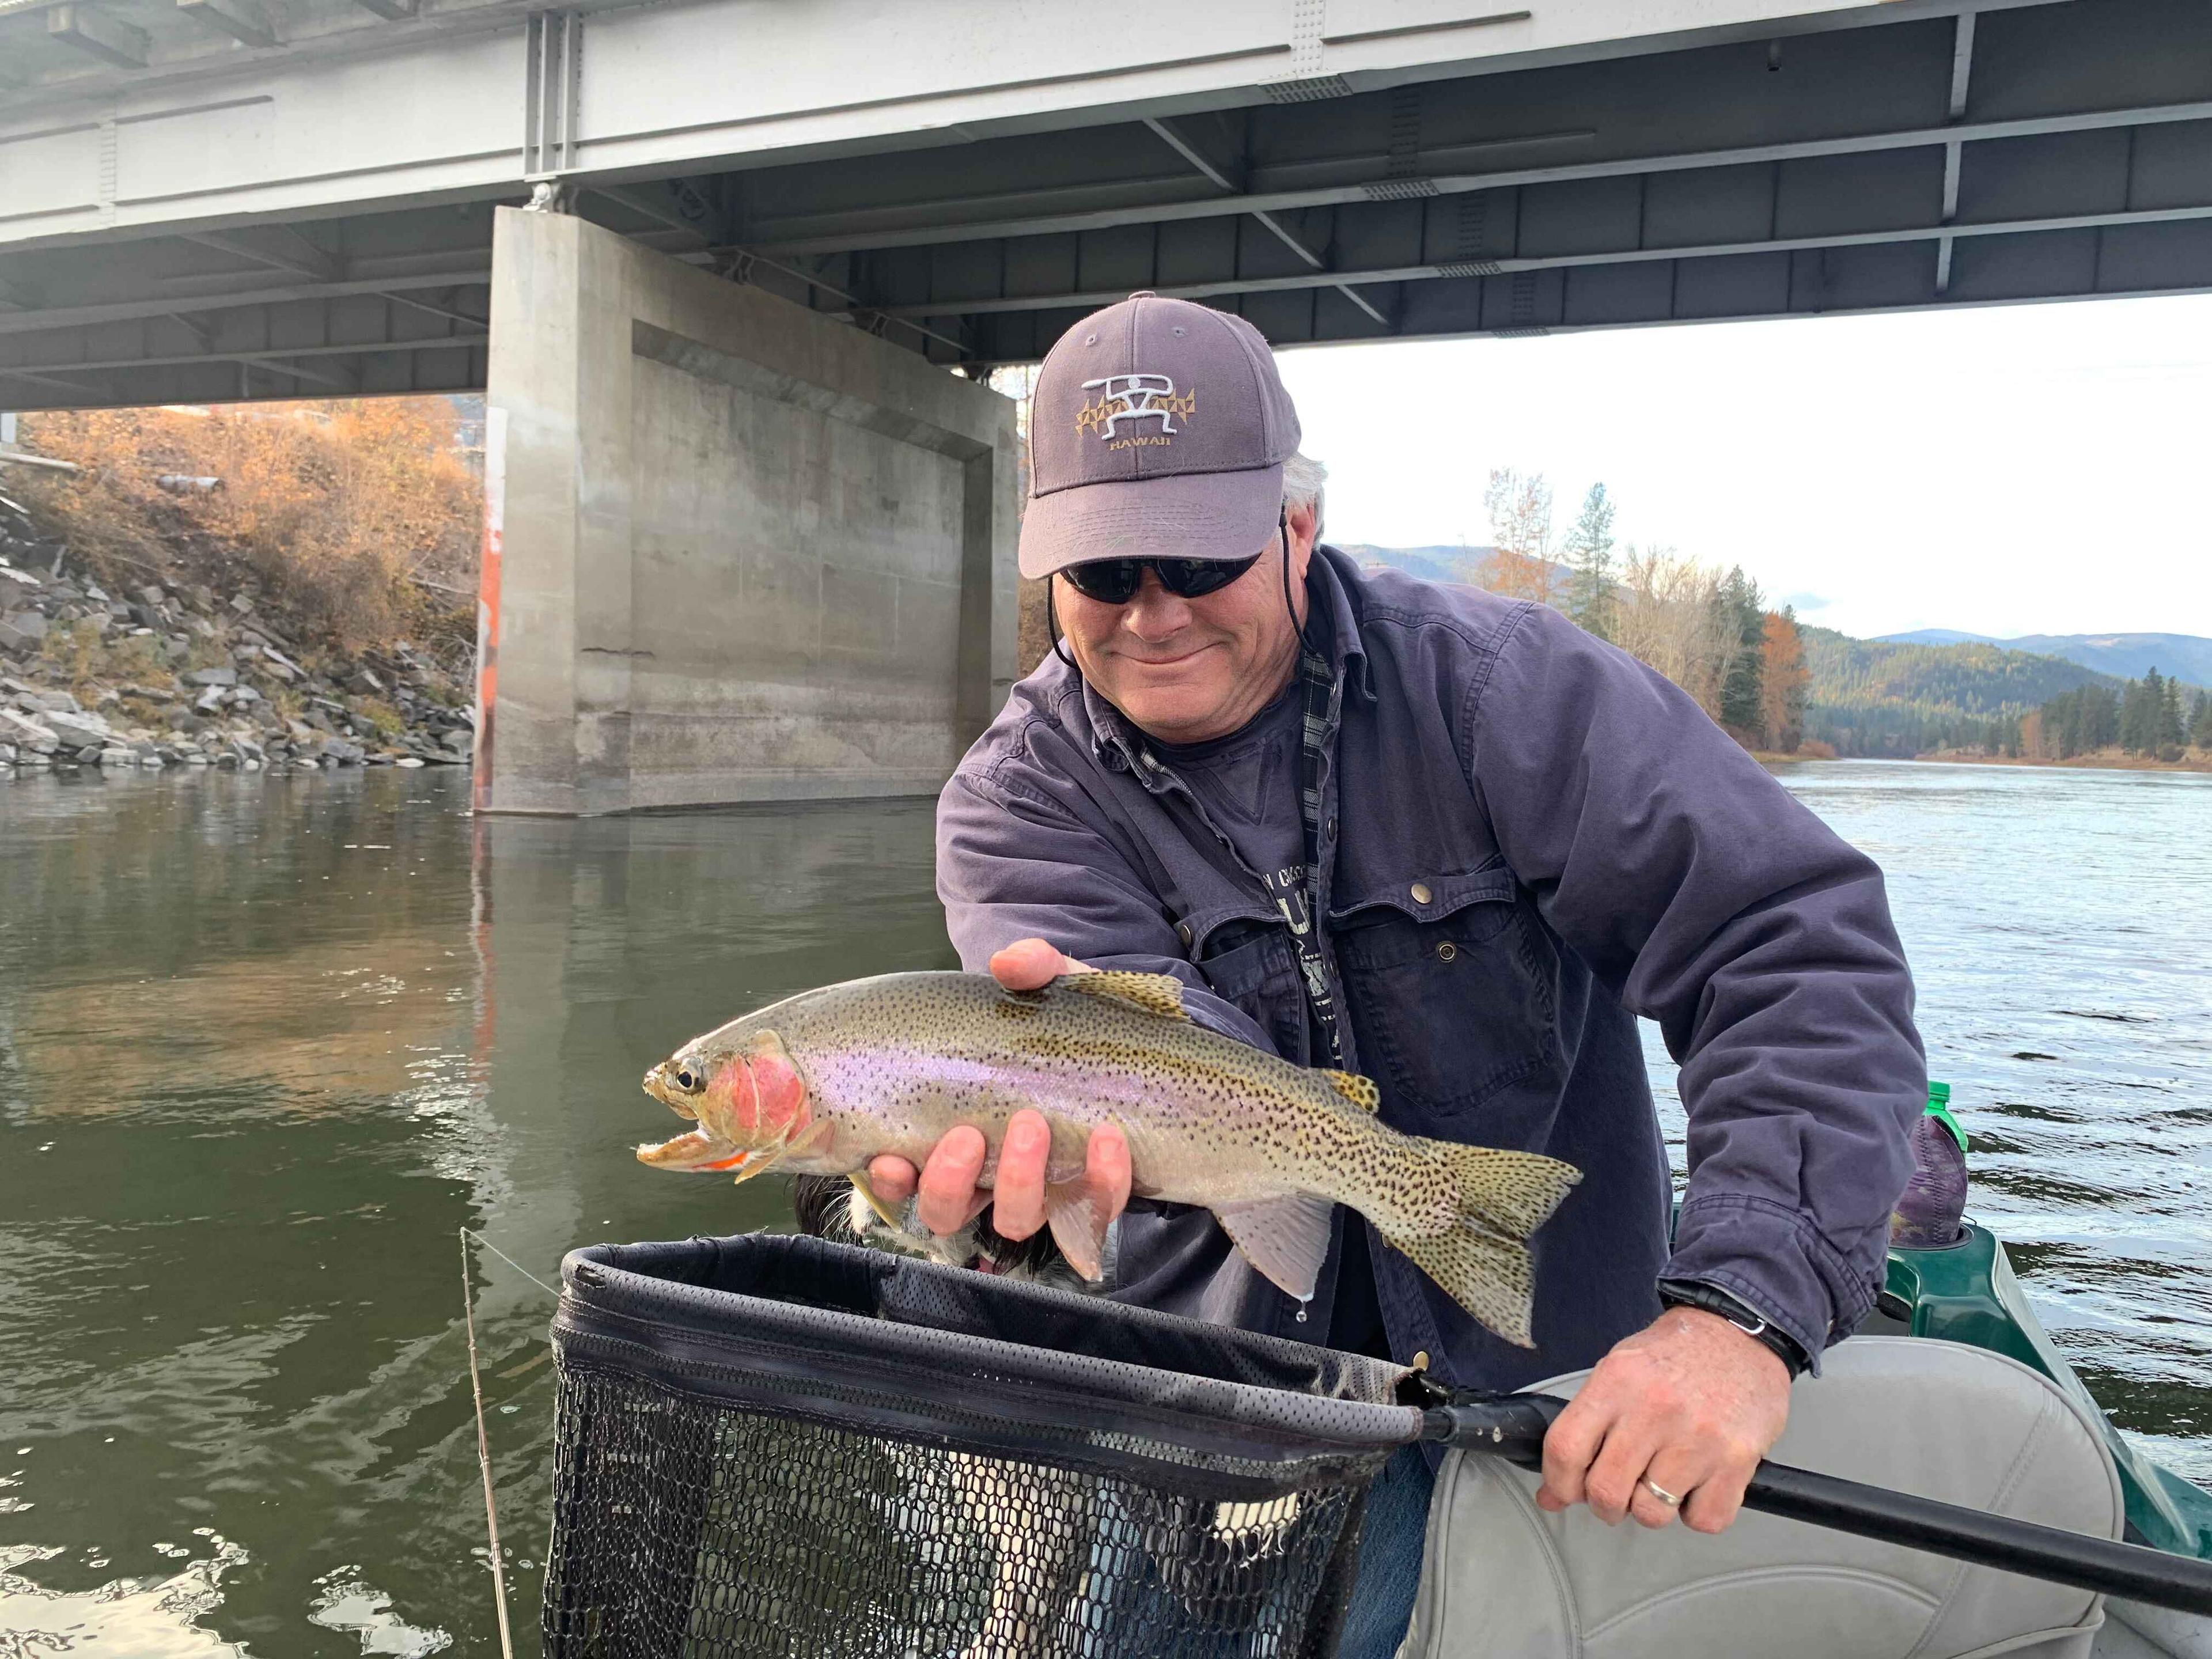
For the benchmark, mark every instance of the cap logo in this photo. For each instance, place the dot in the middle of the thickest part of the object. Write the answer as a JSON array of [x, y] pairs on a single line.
[[1134, 397]]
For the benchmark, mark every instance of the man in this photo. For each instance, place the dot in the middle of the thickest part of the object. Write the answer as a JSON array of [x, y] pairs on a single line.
[[1452, 841]]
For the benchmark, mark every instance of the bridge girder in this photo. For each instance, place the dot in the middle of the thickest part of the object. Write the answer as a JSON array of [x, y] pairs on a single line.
[[1904, 157]]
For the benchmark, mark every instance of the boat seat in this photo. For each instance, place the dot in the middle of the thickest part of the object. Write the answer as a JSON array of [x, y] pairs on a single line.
[[1938, 1418]]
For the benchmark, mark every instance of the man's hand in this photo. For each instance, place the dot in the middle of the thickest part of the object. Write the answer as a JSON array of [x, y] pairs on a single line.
[[950, 1199], [1690, 1403]]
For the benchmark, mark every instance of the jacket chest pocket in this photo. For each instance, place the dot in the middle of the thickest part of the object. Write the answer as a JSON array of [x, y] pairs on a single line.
[[1254, 966], [1453, 990]]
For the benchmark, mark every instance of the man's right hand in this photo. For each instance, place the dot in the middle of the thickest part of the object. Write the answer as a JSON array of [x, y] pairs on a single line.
[[949, 1197]]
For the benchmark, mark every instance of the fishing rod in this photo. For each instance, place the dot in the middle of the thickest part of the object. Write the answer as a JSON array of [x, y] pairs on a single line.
[[1512, 1426]]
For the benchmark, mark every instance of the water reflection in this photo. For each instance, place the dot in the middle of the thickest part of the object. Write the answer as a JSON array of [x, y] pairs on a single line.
[[267, 1045]]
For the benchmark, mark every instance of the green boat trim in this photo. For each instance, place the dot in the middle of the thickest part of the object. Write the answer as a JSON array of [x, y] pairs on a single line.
[[1965, 1293]]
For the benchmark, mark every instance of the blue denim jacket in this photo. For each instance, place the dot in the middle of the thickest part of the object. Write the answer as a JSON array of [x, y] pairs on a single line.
[[1526, 839]]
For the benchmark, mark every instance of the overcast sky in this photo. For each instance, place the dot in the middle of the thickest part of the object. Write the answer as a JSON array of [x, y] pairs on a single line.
[[2022, 470]]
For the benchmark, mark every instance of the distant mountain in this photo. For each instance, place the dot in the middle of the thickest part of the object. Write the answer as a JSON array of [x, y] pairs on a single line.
[[1958, 677], [2129, 656], [1452, 563], [1935, 691], [1933, 637]]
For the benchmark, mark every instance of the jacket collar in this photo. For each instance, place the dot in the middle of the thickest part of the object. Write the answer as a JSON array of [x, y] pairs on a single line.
[[1333, 578]]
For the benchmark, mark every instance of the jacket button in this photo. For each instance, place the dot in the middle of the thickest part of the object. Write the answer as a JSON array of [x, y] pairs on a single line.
[[1446, 951], [1421, 893], [1184, 932]]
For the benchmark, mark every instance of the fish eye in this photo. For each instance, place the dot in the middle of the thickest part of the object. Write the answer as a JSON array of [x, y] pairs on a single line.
[[687, 1080]]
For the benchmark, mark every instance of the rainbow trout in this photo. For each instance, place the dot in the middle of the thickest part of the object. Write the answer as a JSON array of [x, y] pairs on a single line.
[[822, 1082]]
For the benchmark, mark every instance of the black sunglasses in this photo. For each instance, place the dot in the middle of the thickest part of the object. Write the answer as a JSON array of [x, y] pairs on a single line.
[[1115, 581]]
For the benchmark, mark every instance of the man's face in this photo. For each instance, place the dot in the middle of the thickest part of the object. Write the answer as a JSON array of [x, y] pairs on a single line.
[[1186, 670]]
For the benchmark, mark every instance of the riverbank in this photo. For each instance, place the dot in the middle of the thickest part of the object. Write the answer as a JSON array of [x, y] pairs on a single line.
[[173, 673], [2105, 761], [186, 589]]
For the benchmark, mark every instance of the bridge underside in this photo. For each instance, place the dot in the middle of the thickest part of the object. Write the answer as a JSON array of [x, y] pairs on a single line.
[[1891, 160]]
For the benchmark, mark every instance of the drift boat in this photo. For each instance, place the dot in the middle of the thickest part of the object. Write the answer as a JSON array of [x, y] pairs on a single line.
[[1948, 1430], [1965, 1293]]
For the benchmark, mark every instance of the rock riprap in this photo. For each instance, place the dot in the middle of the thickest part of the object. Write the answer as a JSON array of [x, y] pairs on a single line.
[[174, 674]]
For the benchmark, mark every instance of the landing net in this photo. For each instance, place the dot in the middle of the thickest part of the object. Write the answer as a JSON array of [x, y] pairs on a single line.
[[774, 1446]]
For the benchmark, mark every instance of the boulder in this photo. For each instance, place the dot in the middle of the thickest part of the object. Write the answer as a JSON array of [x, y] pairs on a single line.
[[80, 730], [150, 594], [21, 630], [27, 733], [212, 677], [209, 701]]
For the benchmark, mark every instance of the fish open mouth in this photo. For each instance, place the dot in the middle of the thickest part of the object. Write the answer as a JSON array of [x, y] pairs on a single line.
[[695, 1150]]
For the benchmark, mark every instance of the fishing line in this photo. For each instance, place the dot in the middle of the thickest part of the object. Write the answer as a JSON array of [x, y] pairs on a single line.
[[483, 1447], [471, 1233]]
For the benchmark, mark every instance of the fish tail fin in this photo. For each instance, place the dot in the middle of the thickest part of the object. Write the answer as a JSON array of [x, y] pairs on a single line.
[[1508, 1192], [1493, 1278], [1482, 1258]]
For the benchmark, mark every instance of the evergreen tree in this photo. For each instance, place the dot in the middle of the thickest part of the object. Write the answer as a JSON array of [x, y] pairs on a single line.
[[2140, 707], [2171, 732], [1744, 611], [1589, 561], [2200, 723]]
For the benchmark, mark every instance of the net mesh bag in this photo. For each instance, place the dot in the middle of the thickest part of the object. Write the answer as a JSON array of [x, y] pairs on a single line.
[[770, 1445]]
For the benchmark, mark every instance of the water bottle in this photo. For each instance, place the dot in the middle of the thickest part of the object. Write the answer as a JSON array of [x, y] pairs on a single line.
[[1928, 1216]]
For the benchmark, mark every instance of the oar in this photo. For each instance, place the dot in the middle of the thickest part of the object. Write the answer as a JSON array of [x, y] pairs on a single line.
[[1512, 1426]]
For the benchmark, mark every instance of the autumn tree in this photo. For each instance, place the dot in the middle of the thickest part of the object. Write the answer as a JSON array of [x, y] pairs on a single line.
[[1520, 565], [1669, 616], [1590, 564], [1783, 679]]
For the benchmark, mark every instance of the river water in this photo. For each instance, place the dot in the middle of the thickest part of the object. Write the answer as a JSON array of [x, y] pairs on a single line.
[[267, 1044]]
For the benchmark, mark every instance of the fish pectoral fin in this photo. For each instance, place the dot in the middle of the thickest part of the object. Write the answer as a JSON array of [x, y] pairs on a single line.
[[1079, 1226], [755, 1165], [897, 1223], [1361, 1092], [1155, 994], [1286, 1239]]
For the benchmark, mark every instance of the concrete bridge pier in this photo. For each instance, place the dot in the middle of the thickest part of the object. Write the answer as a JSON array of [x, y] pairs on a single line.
[[736, 551]]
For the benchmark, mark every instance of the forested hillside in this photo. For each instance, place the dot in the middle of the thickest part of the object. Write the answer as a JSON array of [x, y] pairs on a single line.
[[1871, 697]]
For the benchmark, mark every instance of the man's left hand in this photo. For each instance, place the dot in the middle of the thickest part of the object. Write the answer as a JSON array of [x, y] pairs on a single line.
[[1690, 1404]]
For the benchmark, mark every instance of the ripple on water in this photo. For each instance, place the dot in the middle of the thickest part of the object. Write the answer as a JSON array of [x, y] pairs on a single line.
[[345, 1601], [150, 1616]]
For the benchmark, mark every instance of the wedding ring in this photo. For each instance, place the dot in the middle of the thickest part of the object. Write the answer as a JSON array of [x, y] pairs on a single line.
[[1661, 1494]]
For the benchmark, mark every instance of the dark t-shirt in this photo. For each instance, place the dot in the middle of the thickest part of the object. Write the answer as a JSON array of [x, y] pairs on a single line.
[[1248, 783]]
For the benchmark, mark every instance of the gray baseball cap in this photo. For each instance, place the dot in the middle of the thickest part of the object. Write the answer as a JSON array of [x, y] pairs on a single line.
[[1157, 431]]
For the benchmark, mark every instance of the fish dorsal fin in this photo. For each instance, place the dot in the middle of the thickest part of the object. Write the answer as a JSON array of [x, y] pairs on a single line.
[[1285, 1238], [1359, 1090], [1156, 994]]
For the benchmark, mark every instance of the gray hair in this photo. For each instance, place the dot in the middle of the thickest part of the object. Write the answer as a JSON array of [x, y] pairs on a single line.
[[1305, 482]]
